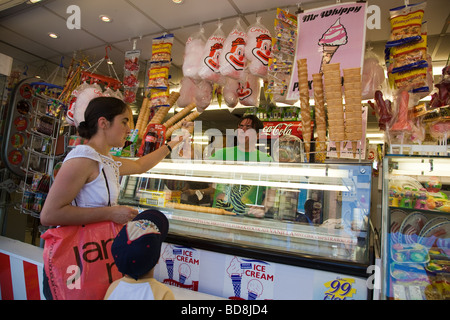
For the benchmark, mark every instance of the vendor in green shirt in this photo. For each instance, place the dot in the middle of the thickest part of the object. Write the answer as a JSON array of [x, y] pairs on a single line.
[[247, 138], [237, 198]]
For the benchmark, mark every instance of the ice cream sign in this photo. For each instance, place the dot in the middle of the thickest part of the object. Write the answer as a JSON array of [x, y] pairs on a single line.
[[181, 266], [333, 34], [248, 279]]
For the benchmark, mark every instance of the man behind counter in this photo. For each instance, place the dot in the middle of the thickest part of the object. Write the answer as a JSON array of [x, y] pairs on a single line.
[[237, 198]]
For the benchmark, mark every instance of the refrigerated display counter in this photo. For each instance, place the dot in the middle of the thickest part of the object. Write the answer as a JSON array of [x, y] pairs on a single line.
[[416, 228], [304, 234]]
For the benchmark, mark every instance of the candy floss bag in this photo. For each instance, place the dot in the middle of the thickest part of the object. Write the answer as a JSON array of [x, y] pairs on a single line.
[[232, 59], [192, 59], [78, 260], [209, 66], [258, 49]]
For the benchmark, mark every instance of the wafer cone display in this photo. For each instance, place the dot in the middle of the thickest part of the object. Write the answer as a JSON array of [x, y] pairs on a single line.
[[143, 116], [305, 109], [353, 96], [335, 108], [191, 117], [179, 115], [320, 117]]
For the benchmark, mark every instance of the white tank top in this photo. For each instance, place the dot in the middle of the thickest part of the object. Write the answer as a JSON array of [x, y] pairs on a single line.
[[95, 193]]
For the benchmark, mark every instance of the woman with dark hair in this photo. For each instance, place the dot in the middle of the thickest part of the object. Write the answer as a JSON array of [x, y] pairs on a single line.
[[86, 189], [87, 185]]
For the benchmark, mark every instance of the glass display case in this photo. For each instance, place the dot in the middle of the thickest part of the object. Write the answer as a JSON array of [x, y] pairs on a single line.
[[302, 214], [416, 228]]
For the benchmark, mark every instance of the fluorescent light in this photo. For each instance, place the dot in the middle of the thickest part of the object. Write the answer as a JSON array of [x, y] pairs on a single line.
[[105, 18], [273, 169], [285, 185], [376, 141], [375, 135], [425, 167]]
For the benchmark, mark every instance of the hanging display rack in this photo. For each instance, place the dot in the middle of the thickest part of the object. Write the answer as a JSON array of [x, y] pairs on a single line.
[[90, 76]]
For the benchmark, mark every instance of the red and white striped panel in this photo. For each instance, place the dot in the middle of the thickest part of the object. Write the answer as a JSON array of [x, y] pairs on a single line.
[[19, 279]]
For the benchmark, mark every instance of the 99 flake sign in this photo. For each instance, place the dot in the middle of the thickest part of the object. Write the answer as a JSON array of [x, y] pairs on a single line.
[[339, 289]]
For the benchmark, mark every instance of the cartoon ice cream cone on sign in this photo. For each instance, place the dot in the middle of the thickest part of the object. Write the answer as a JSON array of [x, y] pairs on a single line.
[[331, 40], [255, 289], [235, 272]]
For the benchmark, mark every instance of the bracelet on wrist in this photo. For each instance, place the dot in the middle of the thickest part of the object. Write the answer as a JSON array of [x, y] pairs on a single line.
[[168, 147]]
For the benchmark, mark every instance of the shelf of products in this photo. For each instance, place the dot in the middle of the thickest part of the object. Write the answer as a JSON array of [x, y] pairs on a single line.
[[299, 210], [35, 121], [416, 228]]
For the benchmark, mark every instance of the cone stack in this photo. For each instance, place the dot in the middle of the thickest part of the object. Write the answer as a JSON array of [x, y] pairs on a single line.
[[144, 114], [353, 96], [335, 108], [191, 117], [320, 117], [179, 115], [305, 109], [163, 111]]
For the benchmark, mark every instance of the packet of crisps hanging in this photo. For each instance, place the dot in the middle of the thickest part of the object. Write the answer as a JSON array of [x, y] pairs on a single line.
[[406, 22]]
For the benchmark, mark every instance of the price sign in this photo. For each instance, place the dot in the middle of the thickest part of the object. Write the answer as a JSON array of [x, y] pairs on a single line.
[[339, 289]]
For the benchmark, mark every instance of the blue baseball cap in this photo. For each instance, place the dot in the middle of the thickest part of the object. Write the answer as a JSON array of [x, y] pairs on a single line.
[[137, 247]]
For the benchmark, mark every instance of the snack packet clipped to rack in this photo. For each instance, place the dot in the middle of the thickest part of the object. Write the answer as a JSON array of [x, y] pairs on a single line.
[[406, 22], [232, 60], [158, 74], [258, 49]]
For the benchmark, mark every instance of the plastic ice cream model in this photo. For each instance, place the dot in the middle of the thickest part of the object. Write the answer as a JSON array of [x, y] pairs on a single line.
[[235, 272], [168, 258], [255, 289], [184, 272], [331, 40]]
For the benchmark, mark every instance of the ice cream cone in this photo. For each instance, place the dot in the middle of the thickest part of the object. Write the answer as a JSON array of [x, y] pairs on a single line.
[[236, 281], [354, 148], [338, 149], [169, 265]]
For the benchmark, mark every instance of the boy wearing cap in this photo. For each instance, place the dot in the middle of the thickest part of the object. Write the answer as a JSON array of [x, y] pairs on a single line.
[[136, 251]]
